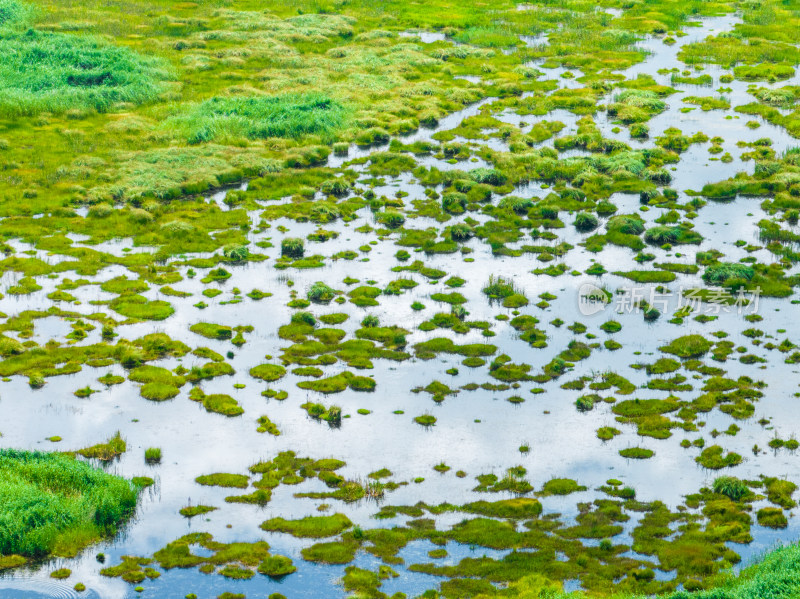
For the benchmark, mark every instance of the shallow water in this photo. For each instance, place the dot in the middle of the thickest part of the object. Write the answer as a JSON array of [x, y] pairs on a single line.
[[477, 431]]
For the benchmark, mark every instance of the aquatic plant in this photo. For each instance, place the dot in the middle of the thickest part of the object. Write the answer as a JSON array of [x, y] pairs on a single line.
[[292, 247], [321, 293], [585, 221], [192, 511], [731, 487], [111, 449], [152, 455]]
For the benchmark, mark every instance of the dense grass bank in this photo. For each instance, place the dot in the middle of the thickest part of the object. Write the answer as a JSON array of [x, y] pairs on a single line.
[[54, 504], [44, 71]]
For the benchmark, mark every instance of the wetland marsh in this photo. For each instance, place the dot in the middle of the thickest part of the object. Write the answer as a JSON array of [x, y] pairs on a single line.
[[389, 299]]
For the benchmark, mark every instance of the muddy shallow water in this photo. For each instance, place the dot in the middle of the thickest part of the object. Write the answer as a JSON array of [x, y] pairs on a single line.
[[477, 431]]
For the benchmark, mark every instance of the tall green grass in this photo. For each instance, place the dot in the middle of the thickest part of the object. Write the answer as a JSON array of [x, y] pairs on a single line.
[[261, 117], [15, 14], [54, 72], [51, 502]]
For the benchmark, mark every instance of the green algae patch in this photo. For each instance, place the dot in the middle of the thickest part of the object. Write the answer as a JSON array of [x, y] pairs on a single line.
[[312, 527], [56, 505]]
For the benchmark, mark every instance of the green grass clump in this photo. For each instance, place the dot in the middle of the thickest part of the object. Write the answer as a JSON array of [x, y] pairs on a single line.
[[276, 566], [647, 276], [332, 414], [606, 433], [139, 307], [611, 327], [268, 372], [499, 288], [265, 425], [321, 293], [156, 391], [731, 487], [561, 486], [772, 517], [688, 346], [209, 330], [425, 420], [54, 72], [338, 383], [292, 247], [223, 479], [636, 453], [53, 504], [335, 552], [195, 510], [107, 451], [25, 286], [311, 527], [585, 221], [518, 508], [780, 492], [61, 573], [762, 72], [714, 458], [262, 117], [677, 235], [221, 403], [722, 273], [152, 455]]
